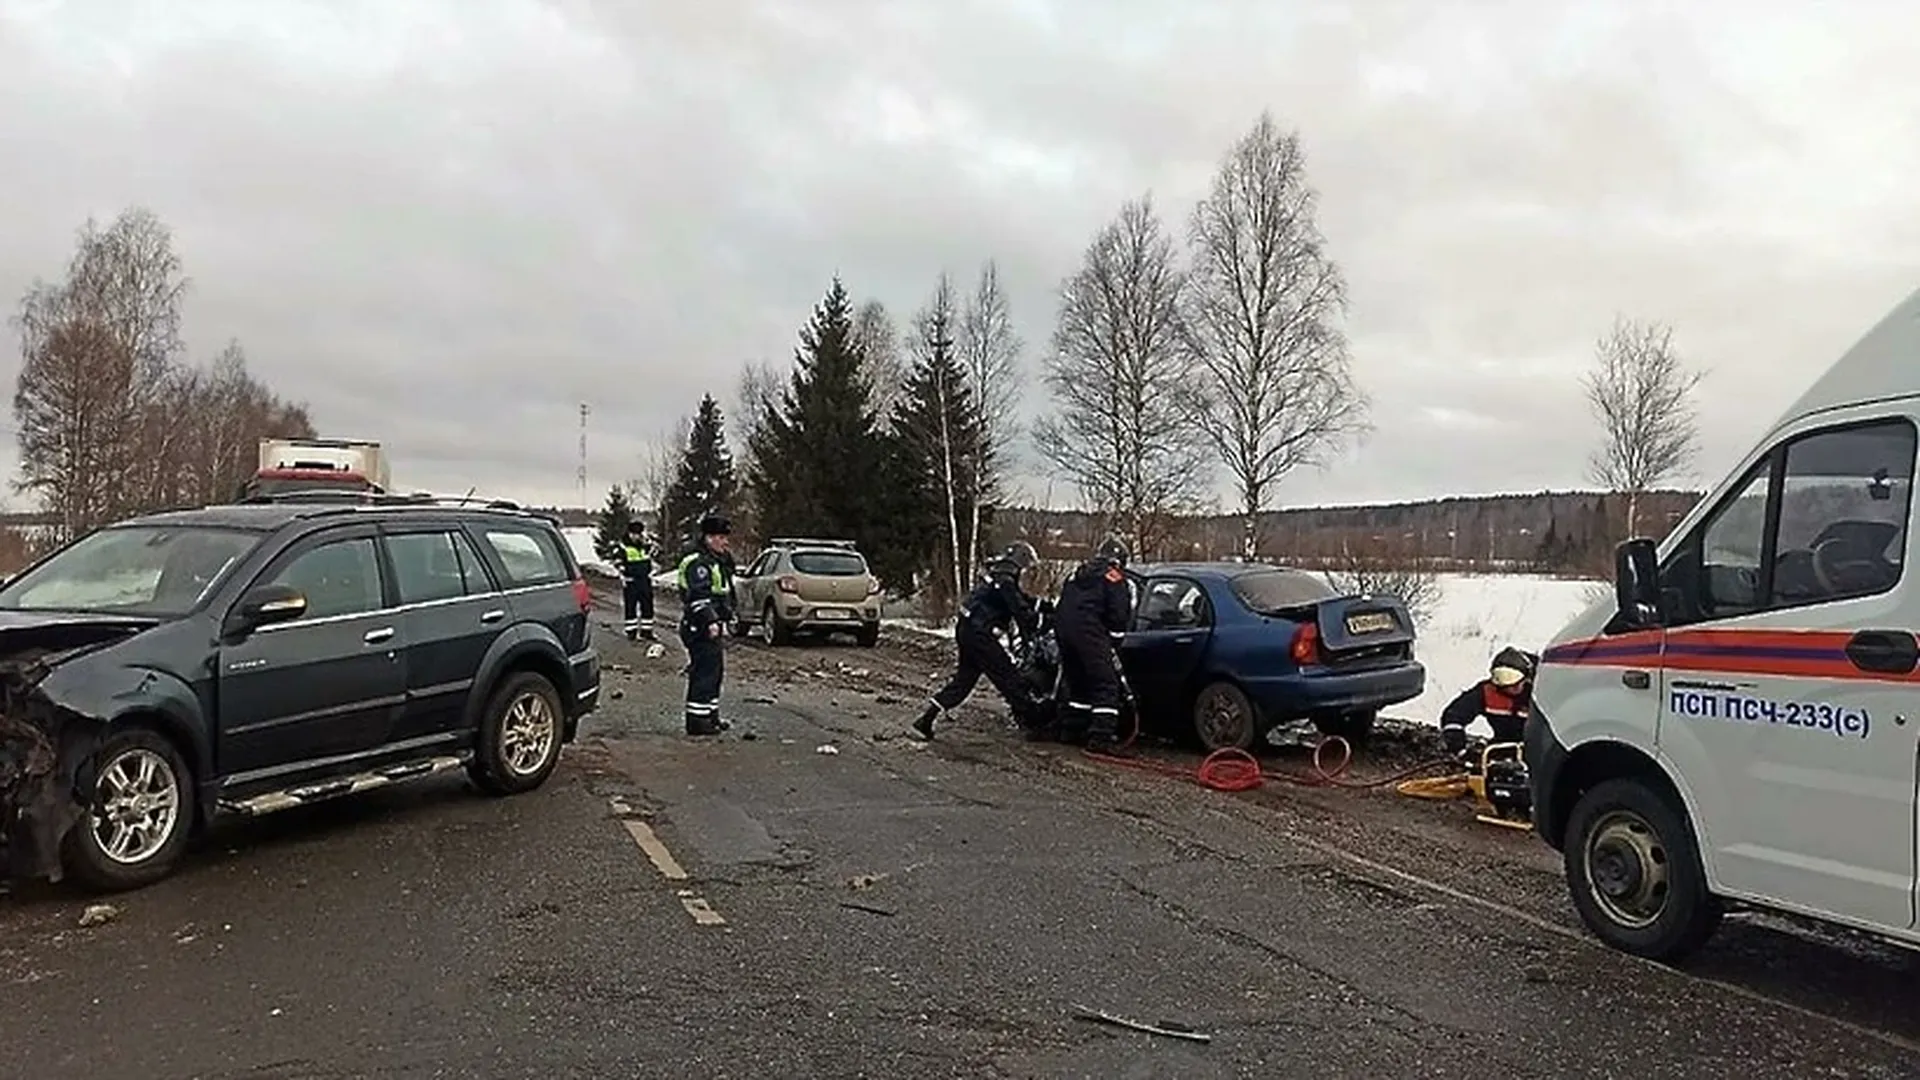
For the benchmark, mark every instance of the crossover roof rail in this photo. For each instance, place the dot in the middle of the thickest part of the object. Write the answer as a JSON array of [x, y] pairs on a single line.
[[803, 541]]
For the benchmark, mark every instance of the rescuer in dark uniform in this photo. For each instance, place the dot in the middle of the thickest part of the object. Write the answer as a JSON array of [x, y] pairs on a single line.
[[1095, 607], [706, 598], [636, 574], [1503, 697], [995, 604]]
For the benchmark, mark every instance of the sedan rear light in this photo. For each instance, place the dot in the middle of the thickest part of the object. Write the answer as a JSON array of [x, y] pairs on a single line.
[[583, 594], [788, 584], [1306, 644]]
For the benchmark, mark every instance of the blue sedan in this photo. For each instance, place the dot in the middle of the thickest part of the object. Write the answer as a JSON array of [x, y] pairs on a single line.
[[1229, 650]]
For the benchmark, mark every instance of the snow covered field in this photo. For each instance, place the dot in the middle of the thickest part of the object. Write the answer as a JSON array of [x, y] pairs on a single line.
[[1473, 617]]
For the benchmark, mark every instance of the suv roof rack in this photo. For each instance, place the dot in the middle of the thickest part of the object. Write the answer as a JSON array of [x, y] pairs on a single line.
[[805, 541], [378, 498]]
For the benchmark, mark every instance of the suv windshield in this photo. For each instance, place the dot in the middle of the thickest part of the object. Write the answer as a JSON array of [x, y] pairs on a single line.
[[829, 563], [131, 570], [1271, 591]]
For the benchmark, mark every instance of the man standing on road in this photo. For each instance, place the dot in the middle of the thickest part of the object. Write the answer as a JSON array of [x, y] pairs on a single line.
[[636, 574], [995, 604], [706, 599], [1095, 607]]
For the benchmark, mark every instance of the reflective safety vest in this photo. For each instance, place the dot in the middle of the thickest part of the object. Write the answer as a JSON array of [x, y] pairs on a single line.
[[718, 573]]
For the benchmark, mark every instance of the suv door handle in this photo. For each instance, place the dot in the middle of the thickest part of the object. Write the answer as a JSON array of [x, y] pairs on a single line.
[[1892, 652], [493, 616], [375, 637]]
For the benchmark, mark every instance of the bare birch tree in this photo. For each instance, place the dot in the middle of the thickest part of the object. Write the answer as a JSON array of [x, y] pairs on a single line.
[[1263, 310], [1125, 383], [1642, 393], [989, 352], [941, 424], [879, 342], [653, 477], [113, 323]]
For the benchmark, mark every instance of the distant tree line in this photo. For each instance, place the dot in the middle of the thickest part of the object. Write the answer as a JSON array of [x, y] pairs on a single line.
[[111, 416]]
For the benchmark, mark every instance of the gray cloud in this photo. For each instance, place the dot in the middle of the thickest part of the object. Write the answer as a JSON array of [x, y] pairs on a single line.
[[445, 225]]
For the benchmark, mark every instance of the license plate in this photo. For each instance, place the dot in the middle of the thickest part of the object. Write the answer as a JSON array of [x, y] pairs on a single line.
[[1373, 622], [835, 613]]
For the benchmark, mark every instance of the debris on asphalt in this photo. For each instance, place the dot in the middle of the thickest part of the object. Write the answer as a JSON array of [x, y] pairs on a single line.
[[98, 915], [616, 694], [865, 881], [880, 736], [656, 650], [760, 699], [826, 748], [1165, 1028], [885, 699], [852, 905]]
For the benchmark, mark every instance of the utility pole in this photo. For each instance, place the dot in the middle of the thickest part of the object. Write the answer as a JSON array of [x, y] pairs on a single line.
[[582, 476]]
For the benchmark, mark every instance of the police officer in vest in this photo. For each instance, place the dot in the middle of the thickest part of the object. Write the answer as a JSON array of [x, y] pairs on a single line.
[[706, 611], [996, 604], [1503, 697], [636, 573]]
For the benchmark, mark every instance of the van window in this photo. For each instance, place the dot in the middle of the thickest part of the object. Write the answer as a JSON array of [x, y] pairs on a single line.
[[1838, 502]]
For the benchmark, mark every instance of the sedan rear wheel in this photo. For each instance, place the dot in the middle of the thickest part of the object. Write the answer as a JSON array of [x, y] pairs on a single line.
[[1223, 717]]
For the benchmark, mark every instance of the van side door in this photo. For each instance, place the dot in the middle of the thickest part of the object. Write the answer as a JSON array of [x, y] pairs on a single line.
[[1789, 659]]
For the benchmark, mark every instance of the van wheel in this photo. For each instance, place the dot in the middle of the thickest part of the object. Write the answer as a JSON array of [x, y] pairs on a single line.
[[1633, 867], [1223, 718], [520, 736], [141, 816]]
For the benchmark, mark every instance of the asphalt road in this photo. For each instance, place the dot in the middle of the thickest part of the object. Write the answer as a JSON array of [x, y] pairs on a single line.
[[755, 907]]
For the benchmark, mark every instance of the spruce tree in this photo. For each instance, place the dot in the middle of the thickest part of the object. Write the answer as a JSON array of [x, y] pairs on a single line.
[[821, 465], [610, 531], [703, 482]]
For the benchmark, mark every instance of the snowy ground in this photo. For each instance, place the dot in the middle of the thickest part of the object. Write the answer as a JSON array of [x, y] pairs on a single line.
[[1474, 616]]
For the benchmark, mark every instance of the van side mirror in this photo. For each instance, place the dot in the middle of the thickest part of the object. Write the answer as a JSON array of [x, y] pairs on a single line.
[[265, 606], [1636, 583]]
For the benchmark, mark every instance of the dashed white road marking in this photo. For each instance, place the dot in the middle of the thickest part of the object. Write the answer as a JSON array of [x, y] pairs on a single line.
[[662, 859], [702, 912], [657, 852]]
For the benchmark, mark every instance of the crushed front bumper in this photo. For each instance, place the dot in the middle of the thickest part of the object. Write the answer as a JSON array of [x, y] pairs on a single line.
[[43, 750]]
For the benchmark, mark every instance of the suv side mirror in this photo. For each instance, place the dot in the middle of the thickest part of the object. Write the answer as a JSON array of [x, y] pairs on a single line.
[[265, 606], [1636, 583]]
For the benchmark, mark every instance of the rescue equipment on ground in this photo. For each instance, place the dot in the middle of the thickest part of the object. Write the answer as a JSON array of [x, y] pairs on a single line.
[[1497, 782]]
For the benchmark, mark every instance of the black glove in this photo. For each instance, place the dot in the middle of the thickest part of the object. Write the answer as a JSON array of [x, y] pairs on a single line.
[[1454, 739]]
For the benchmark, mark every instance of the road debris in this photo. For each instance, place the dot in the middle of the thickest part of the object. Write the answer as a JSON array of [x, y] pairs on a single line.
[[1165, 1028], [656, 650], [760, 699], [865, 881], [854, 905], [826, 748], [98, 915]]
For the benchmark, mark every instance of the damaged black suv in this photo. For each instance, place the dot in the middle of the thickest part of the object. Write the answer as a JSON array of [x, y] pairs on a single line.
[[248, 658]]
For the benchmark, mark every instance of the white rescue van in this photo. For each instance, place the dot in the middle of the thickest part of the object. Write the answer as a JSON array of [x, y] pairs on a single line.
[[1740, 723]]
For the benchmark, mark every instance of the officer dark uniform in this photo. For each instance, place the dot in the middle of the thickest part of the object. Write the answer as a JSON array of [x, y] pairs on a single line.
[[706, 610], [636, 574], [995, 604], [1503, 697], [1094, 609]]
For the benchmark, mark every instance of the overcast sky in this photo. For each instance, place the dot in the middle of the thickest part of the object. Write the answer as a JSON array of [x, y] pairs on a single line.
[[446, 223]]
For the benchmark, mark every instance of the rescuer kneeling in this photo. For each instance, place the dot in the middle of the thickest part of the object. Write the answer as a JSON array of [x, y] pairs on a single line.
[[1503, 698]]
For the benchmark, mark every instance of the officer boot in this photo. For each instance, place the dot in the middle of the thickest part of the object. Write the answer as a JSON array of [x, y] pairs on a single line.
[[923, 727]]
